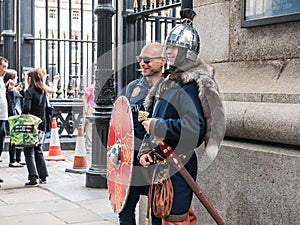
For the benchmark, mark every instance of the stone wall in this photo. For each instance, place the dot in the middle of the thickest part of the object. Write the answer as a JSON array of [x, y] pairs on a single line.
[[261, 100], [252, 184], [258, 70]]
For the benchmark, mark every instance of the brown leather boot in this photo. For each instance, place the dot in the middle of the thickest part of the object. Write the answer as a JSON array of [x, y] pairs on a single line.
[[191, 219]]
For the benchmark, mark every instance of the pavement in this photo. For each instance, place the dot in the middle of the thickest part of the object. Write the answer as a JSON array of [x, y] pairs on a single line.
[[64, 199]]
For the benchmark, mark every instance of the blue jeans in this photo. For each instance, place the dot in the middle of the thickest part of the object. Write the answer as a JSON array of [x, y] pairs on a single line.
[[35, 162], [127, 215]]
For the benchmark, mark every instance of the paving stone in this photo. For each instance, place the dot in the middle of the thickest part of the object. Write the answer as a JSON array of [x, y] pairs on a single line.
[[36, 219], [64, 199], [77, 216]]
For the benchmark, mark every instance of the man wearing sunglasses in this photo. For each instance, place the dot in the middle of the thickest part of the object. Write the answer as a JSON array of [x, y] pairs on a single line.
[[151, 63]]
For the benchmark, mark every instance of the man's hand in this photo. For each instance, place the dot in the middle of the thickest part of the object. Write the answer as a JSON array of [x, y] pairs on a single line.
[[20, 87], [11, 84], [146, 125], [146, 160]]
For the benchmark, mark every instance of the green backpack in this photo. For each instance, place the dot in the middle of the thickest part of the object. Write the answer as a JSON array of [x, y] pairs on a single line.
[[24, 130]]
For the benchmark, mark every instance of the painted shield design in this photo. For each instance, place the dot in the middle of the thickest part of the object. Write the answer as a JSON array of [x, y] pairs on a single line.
[[119, 153]]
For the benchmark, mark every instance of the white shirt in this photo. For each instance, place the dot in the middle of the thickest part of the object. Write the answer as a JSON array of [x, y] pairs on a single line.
[[3, 101]]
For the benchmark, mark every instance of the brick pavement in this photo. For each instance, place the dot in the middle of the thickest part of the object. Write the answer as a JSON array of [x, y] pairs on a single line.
[[63, 200]]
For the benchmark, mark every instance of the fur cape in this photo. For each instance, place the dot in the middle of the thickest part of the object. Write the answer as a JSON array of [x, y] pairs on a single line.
[[209, 95]]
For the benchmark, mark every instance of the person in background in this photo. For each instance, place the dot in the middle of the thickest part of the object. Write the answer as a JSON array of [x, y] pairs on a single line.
[[88, 109], [52, 87], [151, 62], [35, 104], [3, 102], [50, 90], [14, 108]]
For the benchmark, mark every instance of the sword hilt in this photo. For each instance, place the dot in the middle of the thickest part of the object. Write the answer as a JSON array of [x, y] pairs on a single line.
[[142, 116]]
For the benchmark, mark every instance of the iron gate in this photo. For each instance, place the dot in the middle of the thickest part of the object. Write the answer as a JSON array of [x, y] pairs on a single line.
[[54, 35], [141, 21]]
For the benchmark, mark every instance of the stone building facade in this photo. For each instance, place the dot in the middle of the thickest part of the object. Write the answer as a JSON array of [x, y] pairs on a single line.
[[255, 178]]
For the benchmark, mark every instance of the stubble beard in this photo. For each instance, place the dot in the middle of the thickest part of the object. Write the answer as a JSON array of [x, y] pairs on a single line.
[[153, 73]]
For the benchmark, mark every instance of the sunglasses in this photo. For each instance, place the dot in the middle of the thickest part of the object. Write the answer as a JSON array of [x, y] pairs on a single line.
[[146, 59]]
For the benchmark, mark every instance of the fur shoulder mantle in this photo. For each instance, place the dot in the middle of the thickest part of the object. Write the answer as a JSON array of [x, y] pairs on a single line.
[[210, 97]]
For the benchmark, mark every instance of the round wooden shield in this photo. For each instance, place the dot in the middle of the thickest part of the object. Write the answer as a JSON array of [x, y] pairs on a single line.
[[120, 153]]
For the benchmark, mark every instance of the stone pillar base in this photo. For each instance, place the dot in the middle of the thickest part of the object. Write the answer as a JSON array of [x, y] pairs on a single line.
[[96, 179]]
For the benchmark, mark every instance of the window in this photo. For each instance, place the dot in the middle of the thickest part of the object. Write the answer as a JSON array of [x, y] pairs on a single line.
[[52, 13], [75, 15], [261, 12]]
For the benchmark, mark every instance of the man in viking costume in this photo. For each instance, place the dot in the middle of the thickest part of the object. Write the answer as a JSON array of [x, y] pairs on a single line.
[[187, 110]]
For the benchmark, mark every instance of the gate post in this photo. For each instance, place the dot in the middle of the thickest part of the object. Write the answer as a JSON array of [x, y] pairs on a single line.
[[8, 33], [26, 52], [104, 95]]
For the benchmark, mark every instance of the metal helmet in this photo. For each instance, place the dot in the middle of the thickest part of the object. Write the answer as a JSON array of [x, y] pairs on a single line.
[[185, 36]]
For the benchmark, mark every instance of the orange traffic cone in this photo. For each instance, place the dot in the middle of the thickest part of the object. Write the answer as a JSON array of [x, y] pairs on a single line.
[[80, 163], [54, 149]]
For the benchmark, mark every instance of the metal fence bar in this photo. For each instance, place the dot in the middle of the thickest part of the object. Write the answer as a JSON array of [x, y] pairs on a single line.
[[58, 36], [70, 90], [70, 55], [152, 20]]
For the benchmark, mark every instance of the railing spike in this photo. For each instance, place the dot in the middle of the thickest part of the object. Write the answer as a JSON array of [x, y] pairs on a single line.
[[153, 3], [144, 3], [135, 5]]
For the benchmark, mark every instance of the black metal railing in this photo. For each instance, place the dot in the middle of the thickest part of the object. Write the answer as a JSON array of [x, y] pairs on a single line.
[[67, 101], [64, 45], [68, 85], [145, 21]]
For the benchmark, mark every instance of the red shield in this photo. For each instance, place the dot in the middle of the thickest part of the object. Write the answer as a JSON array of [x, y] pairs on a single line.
[[120, 153]]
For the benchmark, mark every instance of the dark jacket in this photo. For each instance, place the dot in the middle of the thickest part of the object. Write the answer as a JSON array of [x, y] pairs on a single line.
[[179, 90], [179, 118], [35, 104], [10, 102], [136, 92]]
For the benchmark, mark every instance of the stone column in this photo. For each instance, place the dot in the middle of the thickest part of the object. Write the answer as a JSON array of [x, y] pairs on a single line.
[[8, 33], [104, 96]]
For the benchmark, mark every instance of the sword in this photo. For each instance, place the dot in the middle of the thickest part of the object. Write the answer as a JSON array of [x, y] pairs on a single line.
[[169, 153], [172, 156]]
